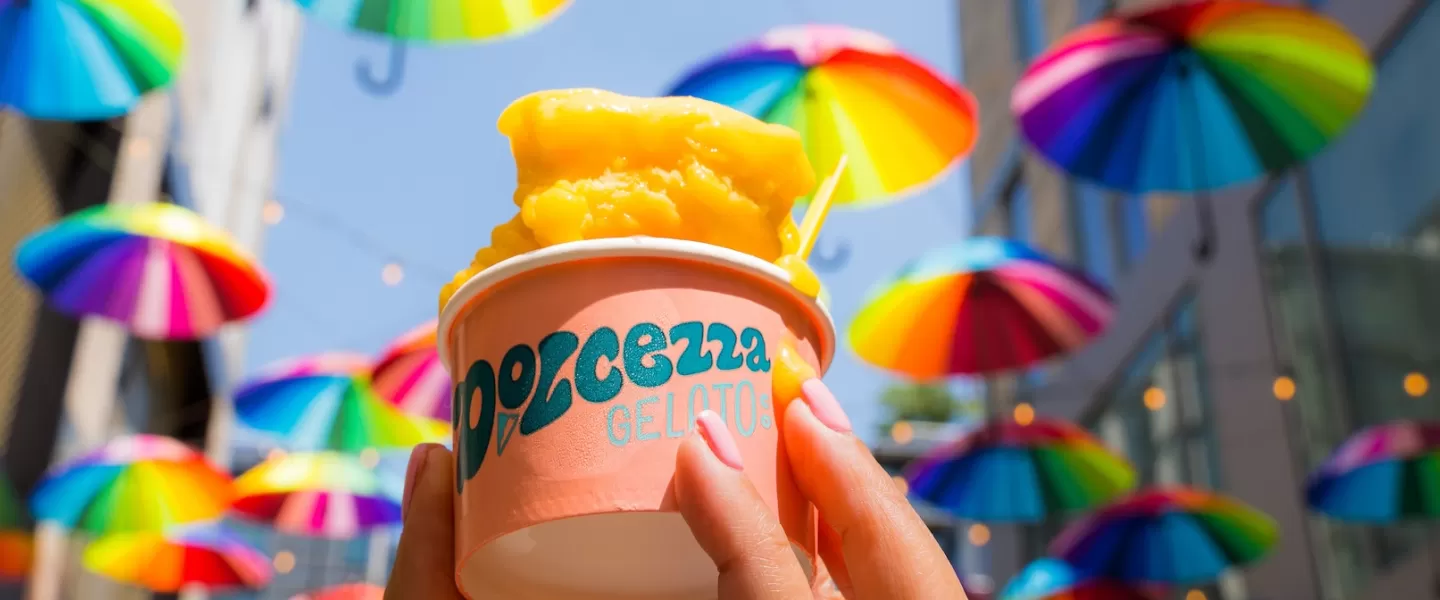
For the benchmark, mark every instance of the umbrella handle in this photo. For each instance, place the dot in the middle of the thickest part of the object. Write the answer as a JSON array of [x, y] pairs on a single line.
[[395, 73], [830, 257]]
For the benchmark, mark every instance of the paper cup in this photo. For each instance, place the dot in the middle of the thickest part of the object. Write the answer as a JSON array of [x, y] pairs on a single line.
[[578, 370]]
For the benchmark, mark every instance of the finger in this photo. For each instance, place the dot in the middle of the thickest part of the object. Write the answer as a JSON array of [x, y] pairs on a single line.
[[731, 522], [834, 557], [875, 524], [425, 560]]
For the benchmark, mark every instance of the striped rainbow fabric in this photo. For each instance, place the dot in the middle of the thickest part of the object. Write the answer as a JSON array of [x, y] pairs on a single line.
[[437, 20], [326, 494], [409, 374]]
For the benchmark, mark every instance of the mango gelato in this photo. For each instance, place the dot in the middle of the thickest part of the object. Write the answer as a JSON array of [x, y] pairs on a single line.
[[592, 164]]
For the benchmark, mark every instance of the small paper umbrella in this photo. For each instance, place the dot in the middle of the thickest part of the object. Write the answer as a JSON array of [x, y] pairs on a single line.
[[409, 375], [848, 92], [326, 402], [984, 305], [159, 269], [437, 20], [1193, 96], [1008, 472], [1176, 536], [348, 591], [1050, 579], [207, 557], [1383, 474], [139, 483], [325, 494], [85, 60]]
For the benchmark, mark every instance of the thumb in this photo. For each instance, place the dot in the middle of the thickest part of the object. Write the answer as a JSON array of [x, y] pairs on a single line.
[[425, 561]]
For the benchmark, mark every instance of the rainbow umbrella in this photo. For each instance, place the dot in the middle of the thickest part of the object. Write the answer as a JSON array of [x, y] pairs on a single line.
[[1194, 96], [1177, 536], [208, 557], [85, 60], [1383, 474], [437, 20], [848, 92], [1050, 579], [139, 483], [409, 375], [325, 494], [348, 591], [16, 544], [984, 305], [159, 269], [1008, 472], [326, 402]]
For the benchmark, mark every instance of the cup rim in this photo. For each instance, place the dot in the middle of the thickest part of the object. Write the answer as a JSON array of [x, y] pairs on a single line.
[[629, 247]]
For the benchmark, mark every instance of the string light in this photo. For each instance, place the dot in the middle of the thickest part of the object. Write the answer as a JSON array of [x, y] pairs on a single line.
[[1284, 388], [902, 432], [901, 484], [272, 213], [979, 535], [1194, 595], [392, 274], [1416, 384], [1154, 398], [1024, 413], [284, 561]]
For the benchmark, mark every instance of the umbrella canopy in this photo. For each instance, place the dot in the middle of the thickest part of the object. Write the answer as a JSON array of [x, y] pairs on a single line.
[[848, 92], [85, 60], [325, 494], [139, 483], [436, 20], [16, 545], [326, 402], [348, 591], [158, 269], [409, 375], [1177, 536], [207, 557], [981, 306], [1008, 472], [1051, 579], [1192, 96], [1383, 474]]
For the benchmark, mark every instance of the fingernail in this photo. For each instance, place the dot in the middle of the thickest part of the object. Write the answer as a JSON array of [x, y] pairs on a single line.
[[718, 437], [824, 405], [412, 472]]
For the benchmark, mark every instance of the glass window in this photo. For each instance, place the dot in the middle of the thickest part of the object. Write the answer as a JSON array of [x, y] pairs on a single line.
[[1093, 234], [1017, 210], [1029, 29]]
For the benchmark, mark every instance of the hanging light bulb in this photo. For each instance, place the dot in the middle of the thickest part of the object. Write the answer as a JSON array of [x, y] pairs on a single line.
[[1284, 388], [1024, 413], [392, 274]]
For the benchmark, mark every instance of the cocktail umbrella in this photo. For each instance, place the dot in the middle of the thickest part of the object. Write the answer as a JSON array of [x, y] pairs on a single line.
[[348, 591], [982, 306], [325, 494], [1008, 472], [138, 483], [326, 402], [1193, 96], [848, 92], [1175, 536], [83, 60], [1051, 579], [409, 375], [1383, 474], [16, 544], [436, 20], [205, 557], [157, 268]]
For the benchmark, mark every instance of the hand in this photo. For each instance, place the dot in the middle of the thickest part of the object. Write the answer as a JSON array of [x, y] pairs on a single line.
[[425, 561], [865, 520]]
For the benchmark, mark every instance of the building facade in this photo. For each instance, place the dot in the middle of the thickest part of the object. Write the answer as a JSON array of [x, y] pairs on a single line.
[[1239, 373]]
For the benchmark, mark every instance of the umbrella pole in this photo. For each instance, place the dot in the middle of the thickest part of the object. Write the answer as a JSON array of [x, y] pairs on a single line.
[[1204, 212]]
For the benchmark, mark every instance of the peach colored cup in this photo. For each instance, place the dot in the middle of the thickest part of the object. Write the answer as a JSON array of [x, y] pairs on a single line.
[[579, 368]]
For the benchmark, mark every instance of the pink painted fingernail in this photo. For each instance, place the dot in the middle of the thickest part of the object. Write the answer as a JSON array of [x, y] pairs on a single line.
[[718, 437], [824, 406], [412, 473]]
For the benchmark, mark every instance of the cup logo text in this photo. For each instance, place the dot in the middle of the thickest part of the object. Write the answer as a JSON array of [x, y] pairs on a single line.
[[528, 391]]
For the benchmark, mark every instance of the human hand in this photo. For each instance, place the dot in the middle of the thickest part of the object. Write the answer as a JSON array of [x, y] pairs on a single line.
[[425, 560], [865, 520]]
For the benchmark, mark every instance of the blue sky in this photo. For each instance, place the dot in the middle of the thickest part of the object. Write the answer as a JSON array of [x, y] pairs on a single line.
[[421, 176]]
